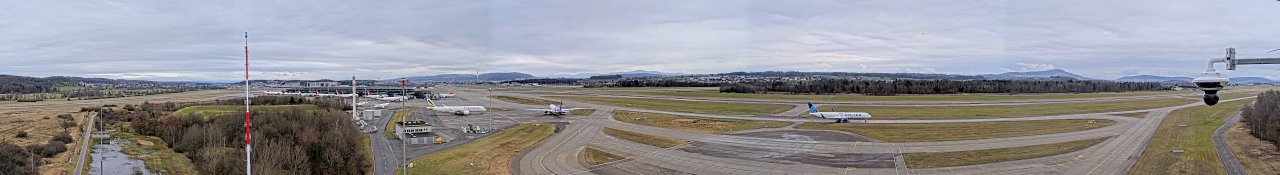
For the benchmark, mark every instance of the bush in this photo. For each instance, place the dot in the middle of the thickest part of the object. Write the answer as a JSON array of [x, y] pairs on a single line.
[[64, 138], [50, 149], [21, 134], [15, 160]]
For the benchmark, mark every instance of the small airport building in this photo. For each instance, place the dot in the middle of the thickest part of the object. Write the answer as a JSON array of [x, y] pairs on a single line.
[[415, 132], [370, 114]]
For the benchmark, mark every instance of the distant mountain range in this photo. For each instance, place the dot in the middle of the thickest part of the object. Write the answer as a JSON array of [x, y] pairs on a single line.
[[1233, 80], [1047, 74], [627, 74], [501, 76]]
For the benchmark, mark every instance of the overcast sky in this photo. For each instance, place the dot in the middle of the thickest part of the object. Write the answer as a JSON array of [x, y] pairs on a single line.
[[179, 40]]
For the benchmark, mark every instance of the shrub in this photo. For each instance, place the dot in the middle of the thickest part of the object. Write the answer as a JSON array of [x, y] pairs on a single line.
[[64, 137], [21, 134]]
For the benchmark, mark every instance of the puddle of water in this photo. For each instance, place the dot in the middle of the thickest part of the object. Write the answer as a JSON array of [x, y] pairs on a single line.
[[110, 159]]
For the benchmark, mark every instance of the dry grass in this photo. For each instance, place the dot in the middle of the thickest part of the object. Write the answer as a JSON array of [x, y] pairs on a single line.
[[977, 157], [1195, 138], [651, 140], [933, 132], [1002, 111], [695, 124], [489, 155], [368, 151], [593, 157], [1257, 156], [684, 106]]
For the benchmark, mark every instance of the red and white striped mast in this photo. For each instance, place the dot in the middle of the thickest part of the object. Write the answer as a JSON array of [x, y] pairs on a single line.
[[248, 150]]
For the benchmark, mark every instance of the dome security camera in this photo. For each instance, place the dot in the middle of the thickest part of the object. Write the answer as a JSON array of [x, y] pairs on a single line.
[[1210, 83]]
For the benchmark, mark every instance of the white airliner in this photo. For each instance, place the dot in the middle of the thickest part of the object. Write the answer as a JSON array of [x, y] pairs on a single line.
[[326, 95], [273, 93], [457, 110], [554, 110], [361, 103], [395, 99], [292, 93], [841, 117], [376, 96], [380, 106], [340, 94]]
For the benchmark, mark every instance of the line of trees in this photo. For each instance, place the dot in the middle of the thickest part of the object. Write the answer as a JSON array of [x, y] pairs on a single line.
[[1263, 117], [652, 83], [906, 86]]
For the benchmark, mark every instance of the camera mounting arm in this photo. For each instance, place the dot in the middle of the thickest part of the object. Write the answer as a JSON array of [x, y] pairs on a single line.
[[1231, 61]]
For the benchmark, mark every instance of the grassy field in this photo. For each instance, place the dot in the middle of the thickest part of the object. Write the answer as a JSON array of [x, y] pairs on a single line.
[[933, 132], [1002, 111], [1134, 115], [976, 157], [684, 106], [368, 151], [522, 100], [651, 140], [595, 157], [695, 124], [1195, 138], [583, 112], [390, 130], [153, 153], [489, 155], [215, 110], [857, 97], [1257, 156]]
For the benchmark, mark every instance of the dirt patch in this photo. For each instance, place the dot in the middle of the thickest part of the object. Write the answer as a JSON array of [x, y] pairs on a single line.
[[808, 135]]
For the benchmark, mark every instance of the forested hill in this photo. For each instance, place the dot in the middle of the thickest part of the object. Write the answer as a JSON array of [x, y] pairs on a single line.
[[11, 84], [855, 74]]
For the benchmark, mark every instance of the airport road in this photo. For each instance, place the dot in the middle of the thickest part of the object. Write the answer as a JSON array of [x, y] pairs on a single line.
[[1229, 160], [1114, 156], [84, 144]]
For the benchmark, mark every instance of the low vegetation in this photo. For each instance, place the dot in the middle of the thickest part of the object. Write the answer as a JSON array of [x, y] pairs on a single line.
[[523, 100], [489, 155], [1189, 130], [684, 106], [595, 157], [1002, 111], [153, 153], [933, 132], [977, 157], [695, 124], [651, 140]]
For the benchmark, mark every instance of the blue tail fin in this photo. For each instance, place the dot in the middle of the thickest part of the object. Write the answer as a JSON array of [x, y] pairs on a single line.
[[812, 109]]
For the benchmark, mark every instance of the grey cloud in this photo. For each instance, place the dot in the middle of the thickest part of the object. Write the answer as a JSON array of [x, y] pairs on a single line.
[[163, 40]]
